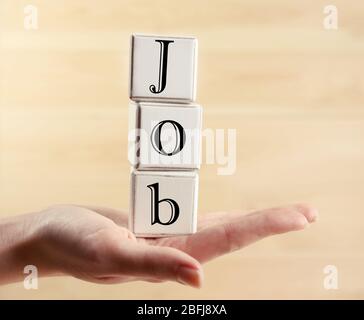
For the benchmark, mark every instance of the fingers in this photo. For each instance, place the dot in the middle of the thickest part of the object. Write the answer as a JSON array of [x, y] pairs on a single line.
[[234, 231], [311, 214], [159, 263], [211, 219]]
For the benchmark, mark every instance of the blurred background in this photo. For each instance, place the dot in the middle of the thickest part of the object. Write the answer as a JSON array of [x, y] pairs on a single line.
[[293, 90]]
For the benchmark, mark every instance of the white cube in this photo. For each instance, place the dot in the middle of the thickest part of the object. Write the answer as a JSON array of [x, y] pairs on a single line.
[[163, 203], [163, 68], [165, 136]]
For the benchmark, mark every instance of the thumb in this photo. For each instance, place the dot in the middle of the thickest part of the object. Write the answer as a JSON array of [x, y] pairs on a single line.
[[161, 263]]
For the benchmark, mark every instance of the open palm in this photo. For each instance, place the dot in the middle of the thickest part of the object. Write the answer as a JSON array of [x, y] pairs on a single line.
[[94, 244]]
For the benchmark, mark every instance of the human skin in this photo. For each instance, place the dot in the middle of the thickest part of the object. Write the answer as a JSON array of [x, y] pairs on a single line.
[[94, 244]]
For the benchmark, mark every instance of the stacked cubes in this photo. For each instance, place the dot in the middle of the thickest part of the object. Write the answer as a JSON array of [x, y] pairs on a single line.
[[164, 136]]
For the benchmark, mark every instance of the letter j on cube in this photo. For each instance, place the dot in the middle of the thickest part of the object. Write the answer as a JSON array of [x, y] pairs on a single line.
[[163, 69]]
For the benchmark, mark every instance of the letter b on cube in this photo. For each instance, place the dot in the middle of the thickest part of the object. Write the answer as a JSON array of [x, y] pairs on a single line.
[[163, 203]]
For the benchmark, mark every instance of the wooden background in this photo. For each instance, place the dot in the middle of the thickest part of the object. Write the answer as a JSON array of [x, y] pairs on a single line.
[[293, 90]]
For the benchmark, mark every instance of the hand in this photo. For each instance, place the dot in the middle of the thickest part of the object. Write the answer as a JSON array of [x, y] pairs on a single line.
[[94, 244]]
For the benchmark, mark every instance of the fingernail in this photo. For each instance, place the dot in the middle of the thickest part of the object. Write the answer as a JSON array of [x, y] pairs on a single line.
[[190, 276]]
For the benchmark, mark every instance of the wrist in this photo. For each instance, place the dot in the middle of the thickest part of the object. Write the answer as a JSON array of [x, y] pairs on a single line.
[[20, 245]]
